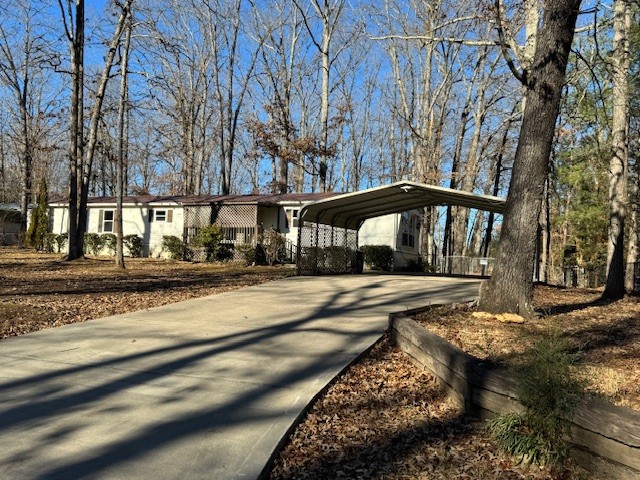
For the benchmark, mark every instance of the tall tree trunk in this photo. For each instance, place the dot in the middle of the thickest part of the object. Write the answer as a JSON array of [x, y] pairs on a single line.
[[96, 112], [486, 243], [122, 141], [448, 241], [511, 286], [27, 159], [545, 235], [324, 107], [75, 34], [634, 228], [461, 219], [614, 288]]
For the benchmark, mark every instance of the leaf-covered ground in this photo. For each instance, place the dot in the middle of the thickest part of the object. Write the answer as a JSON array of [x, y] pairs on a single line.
[[40, 291], [605, 336], [387, 419], [383, 419]]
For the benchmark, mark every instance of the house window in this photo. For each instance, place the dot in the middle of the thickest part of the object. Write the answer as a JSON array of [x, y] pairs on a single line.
[[292, 217], [409, 224], [163, 216], [106, 221], [408, 240]]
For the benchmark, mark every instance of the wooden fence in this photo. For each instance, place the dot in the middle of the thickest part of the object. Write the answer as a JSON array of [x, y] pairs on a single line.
[[604, 439]]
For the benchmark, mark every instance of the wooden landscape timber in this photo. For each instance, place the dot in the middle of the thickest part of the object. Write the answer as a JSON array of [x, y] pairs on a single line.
[[604, 439]]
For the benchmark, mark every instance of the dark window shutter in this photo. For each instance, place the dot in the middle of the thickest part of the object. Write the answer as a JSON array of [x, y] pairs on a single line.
[[169, 216], [100, 220], [150, 215]]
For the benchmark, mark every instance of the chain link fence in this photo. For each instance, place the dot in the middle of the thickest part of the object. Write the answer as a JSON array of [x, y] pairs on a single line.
[[460, 265], [581, 277]]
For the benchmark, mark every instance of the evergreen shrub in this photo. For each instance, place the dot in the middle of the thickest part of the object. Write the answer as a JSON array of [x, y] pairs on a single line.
[[93, 243], [175, 247], [109, 240], [133, 243], [378, 257], [550, 394], [209, 238]]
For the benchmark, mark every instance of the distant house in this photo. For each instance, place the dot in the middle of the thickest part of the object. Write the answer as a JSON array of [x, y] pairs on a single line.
[[10, 224], [242, 218]]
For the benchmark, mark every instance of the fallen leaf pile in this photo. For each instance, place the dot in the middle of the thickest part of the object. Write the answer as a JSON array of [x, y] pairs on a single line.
[[387, 419], [606, 337], [501, 317], [40, 291]]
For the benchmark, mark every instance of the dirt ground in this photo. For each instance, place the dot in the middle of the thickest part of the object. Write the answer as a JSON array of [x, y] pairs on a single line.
[[604, 336], [40, 291]]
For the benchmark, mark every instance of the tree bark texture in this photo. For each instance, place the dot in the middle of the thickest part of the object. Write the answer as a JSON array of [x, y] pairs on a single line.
[[75, 34], [122, 141], [96, 111], [511, 286], [614, 288]]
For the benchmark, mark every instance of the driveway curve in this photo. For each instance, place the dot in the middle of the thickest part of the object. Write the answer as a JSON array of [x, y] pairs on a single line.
[[204, 388]]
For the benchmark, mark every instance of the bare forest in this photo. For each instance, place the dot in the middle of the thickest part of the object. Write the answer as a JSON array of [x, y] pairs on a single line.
[[240, 96]]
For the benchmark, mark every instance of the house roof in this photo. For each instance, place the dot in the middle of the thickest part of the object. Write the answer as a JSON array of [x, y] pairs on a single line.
[[349, 210], [258, 199]]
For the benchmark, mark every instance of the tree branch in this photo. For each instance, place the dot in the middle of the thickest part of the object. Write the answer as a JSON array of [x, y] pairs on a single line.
[[429, 39], [521, 76]]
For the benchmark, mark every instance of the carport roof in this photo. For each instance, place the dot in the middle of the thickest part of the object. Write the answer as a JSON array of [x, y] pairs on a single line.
[[349, 210]]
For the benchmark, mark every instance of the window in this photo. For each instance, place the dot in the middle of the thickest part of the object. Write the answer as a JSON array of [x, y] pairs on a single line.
[[292, 217], [409, 225], [408, 240], [105, 222], [157, 215]]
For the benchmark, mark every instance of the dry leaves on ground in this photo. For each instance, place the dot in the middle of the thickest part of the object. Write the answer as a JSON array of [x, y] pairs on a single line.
[[387, 419], [606, 337], [40, 291]]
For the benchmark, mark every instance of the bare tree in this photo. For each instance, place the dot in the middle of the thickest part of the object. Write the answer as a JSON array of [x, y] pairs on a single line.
[[230, 77], [22, 54], [329, 12], [122, 141], [280, 57], [73, 22]]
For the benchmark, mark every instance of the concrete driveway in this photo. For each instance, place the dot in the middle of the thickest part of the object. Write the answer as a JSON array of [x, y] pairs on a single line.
[[204, 388]]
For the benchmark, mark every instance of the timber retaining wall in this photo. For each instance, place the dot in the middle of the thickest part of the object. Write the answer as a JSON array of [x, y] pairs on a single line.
[[605, 439]]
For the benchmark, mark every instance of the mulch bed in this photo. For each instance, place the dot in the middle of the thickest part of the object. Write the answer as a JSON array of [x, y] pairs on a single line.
[[387, 419], [604, 336]]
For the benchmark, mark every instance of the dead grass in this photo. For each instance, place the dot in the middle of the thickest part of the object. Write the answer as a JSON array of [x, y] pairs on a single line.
[[40, 291]]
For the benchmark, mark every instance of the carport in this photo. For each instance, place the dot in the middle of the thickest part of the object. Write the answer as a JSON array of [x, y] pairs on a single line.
[[328, 233]]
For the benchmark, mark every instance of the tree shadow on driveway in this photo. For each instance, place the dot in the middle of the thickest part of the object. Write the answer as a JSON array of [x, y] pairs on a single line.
[[262, 400]]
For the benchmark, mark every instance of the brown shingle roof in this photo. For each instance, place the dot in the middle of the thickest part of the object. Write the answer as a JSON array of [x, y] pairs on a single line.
[[259, 199]]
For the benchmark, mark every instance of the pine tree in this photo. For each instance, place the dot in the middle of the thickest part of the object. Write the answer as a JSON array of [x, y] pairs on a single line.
[[39, 226]]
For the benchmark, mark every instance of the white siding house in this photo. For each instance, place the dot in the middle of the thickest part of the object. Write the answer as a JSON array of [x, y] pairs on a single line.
[[400, 231], [150, 221], [243, 218]]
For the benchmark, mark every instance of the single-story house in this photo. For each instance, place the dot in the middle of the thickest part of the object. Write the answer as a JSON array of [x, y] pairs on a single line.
[[243, 219]]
